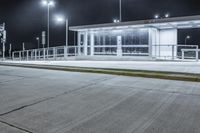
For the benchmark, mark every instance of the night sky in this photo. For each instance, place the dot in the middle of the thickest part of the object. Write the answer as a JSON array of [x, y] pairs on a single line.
[[25, 19]]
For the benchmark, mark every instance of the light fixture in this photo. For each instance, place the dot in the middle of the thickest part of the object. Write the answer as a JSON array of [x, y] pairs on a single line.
[[48, 2], [188, 37], [44, 2], [167, 15], [51, 3], [156, 16], [59, 19], [116, 21]]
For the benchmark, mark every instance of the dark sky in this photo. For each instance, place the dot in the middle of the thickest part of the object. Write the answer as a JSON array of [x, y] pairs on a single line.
[[25, 19]]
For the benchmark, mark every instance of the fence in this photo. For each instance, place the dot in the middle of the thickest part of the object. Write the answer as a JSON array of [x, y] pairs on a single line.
[[156, 52], [55, 53], [188, 54], [173, 52]]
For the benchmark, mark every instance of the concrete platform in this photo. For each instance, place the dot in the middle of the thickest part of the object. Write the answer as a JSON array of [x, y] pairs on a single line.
[[163, 66], [45, 101]]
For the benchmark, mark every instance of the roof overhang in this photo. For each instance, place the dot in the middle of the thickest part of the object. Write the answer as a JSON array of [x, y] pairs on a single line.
[[188, 22]]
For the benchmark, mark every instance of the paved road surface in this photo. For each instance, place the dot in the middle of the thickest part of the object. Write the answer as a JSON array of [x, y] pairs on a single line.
[[45, 101]]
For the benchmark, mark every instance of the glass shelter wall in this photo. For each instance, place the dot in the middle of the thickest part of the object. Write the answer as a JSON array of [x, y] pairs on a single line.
[[126, 42]]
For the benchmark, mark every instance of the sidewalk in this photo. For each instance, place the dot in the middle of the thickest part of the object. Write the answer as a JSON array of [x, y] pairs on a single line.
[[177, 67]]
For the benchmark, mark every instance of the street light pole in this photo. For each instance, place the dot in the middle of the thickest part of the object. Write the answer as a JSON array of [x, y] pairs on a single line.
[[120, 10], [48, 3], [61, 19], [48, 23], [38, 40], [10, 51], [23, 49], [67, 30]]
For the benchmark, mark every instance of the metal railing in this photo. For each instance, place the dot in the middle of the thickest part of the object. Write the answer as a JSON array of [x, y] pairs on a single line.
[[164, 52], [188, 54], [55, 53], [171, 52]]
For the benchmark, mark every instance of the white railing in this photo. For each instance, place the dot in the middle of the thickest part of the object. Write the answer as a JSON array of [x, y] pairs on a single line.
[[188, 54], [60, 52], [171, 52], [164, 52]]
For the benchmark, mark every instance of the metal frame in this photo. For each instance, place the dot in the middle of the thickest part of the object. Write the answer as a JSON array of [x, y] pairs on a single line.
[[52, 53], [164, 23]]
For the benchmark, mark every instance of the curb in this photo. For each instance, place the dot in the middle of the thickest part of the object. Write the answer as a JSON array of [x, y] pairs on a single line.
[[121, 72]]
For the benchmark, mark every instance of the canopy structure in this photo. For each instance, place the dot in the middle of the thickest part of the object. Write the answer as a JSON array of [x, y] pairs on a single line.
[[153, 38], [165, 23]]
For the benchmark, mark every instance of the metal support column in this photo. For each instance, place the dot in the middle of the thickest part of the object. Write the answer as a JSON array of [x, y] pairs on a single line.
[[92, 44], [173, 52], [183, 55], [13, 55], [3, 51], [44, 53], [31, 54], [119, 46], [35, 51], [65, 52], [20, 55], [85, 44], [54, 53], [197, 55], [39, 55], [27, 55]]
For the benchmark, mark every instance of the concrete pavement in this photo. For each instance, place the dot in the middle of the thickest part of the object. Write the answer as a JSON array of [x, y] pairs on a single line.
[[46, 101], [160, 66]]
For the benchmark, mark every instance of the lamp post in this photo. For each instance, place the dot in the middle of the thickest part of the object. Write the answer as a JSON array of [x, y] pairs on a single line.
[[48, 3], [61, 19], [38, 40], [120, 10], [186, 38], [10, 51], [23, 49]]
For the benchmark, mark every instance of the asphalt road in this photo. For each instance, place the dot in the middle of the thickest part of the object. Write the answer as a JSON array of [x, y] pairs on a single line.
[[45, 101]]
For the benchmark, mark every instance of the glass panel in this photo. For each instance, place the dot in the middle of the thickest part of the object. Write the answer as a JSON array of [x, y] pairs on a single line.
[[135, 40], [82, 39], [88, 40]]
